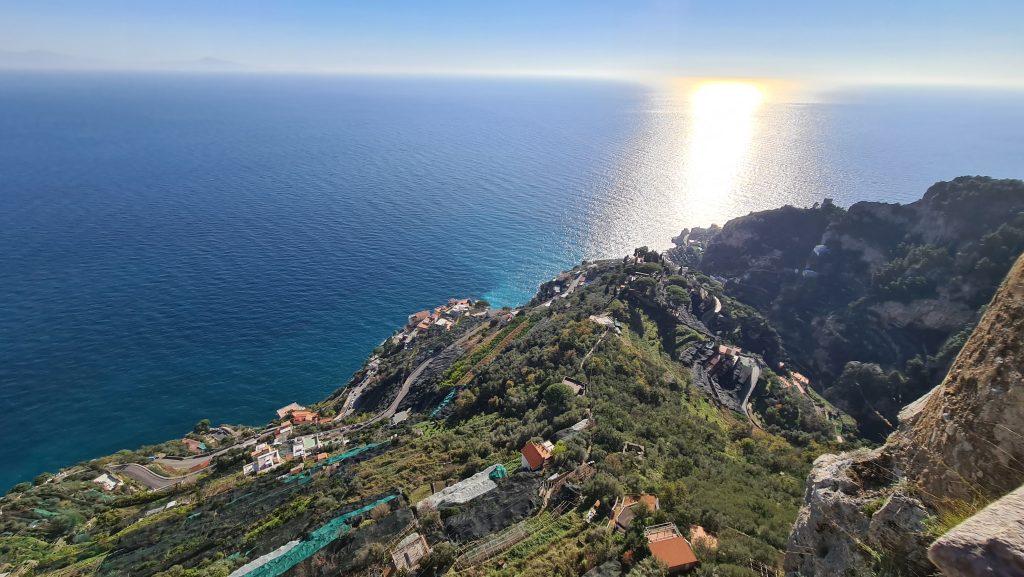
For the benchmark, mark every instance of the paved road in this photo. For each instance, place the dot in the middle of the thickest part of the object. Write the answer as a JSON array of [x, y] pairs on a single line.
[[407, 384], [155, 481], [187, 463], [149, 478]]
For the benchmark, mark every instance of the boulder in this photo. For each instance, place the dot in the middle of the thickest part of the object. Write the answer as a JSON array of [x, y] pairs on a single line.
[[989, 544]]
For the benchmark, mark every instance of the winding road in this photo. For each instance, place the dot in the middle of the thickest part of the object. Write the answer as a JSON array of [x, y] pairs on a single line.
[[149, 478]]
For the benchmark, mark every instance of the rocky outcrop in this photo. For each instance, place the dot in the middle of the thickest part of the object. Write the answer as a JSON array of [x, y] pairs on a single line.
[[967, 443], [988, 544], [855, 519], [888, 284], [956, 448]]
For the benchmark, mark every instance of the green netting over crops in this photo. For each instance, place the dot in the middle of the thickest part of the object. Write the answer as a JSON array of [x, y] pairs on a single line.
[[317, 540], [305, 475]]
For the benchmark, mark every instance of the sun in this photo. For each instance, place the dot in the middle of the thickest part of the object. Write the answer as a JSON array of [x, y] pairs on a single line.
[[740, 97]]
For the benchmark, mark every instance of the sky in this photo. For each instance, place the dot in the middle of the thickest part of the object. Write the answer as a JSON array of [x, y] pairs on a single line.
[[978, 42]]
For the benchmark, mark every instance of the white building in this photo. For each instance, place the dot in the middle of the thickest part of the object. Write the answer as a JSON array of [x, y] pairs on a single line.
[[264, 458], [108, 482]]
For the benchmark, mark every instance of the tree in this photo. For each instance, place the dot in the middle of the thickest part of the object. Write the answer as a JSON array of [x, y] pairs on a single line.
[[602, 487], [678, 296], [558, 397], [440, 558], [202, 427]]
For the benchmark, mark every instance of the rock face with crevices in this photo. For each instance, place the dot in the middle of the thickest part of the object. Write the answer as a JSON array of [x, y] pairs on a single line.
[[956, 448]]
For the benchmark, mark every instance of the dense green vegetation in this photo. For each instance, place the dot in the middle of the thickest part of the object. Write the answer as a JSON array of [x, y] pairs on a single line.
[[709, 466], [879, 284]]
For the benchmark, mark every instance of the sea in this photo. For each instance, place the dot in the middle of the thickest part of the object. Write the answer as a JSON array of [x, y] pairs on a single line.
[[180, 247]]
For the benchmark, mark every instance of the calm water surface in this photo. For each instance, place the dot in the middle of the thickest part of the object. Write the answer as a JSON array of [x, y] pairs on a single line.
[[175, 248]]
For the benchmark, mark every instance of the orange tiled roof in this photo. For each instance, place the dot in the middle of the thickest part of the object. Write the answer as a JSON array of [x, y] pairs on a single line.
[[675, 553], [535, 455]]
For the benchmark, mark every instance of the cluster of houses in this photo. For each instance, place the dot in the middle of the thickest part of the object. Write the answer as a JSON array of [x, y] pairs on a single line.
[[269, 456], [297, 414], [442, 317], [794, 380], [199, 444], [728, 364]]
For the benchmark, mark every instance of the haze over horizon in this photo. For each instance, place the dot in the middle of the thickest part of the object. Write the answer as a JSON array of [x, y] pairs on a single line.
[[937, 43]]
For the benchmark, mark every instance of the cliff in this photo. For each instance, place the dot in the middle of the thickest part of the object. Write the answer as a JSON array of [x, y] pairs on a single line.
[[873, 302], [957, 449]]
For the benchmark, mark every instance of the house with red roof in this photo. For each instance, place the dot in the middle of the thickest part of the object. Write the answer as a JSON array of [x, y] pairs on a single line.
[[304, 416], [417, 318], [534, 456], [670, 548], [283, 411]]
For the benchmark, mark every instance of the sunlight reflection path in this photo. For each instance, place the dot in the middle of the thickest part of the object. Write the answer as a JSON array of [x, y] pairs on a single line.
[[723, 122]]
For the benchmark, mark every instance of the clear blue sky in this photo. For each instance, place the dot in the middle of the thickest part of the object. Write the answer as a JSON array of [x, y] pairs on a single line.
[[870, 40]]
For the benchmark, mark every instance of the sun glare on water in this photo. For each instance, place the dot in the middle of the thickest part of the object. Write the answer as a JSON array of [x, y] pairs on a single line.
[[723, 118], [695, 160]]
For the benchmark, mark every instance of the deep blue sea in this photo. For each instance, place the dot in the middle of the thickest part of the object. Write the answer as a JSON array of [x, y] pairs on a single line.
[[179, 247]]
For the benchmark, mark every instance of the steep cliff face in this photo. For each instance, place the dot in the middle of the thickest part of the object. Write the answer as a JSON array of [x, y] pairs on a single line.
[[956, 449], [887, 284], [966, 441]]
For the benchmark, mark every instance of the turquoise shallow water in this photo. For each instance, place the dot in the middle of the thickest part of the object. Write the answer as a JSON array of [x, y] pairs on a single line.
[[175, 248]]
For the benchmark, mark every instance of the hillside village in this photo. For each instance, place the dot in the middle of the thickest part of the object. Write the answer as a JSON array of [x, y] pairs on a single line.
[[364, 451]]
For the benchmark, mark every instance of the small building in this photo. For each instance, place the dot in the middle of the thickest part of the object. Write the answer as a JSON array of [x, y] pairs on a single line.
[[108, 482], [417, 318], [298, 449], [399, 417], [409, 552], [283, 411], [458, 307], [264, 458], [669, 547], [193, 445], [578, 387], [304, 416], [464, 491], [728, 351], [573, 430], [626, 509], [283, 433], [634, 448], [534, 456]]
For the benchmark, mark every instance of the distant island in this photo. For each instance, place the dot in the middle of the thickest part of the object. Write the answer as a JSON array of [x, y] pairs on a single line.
[[652, 414]]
